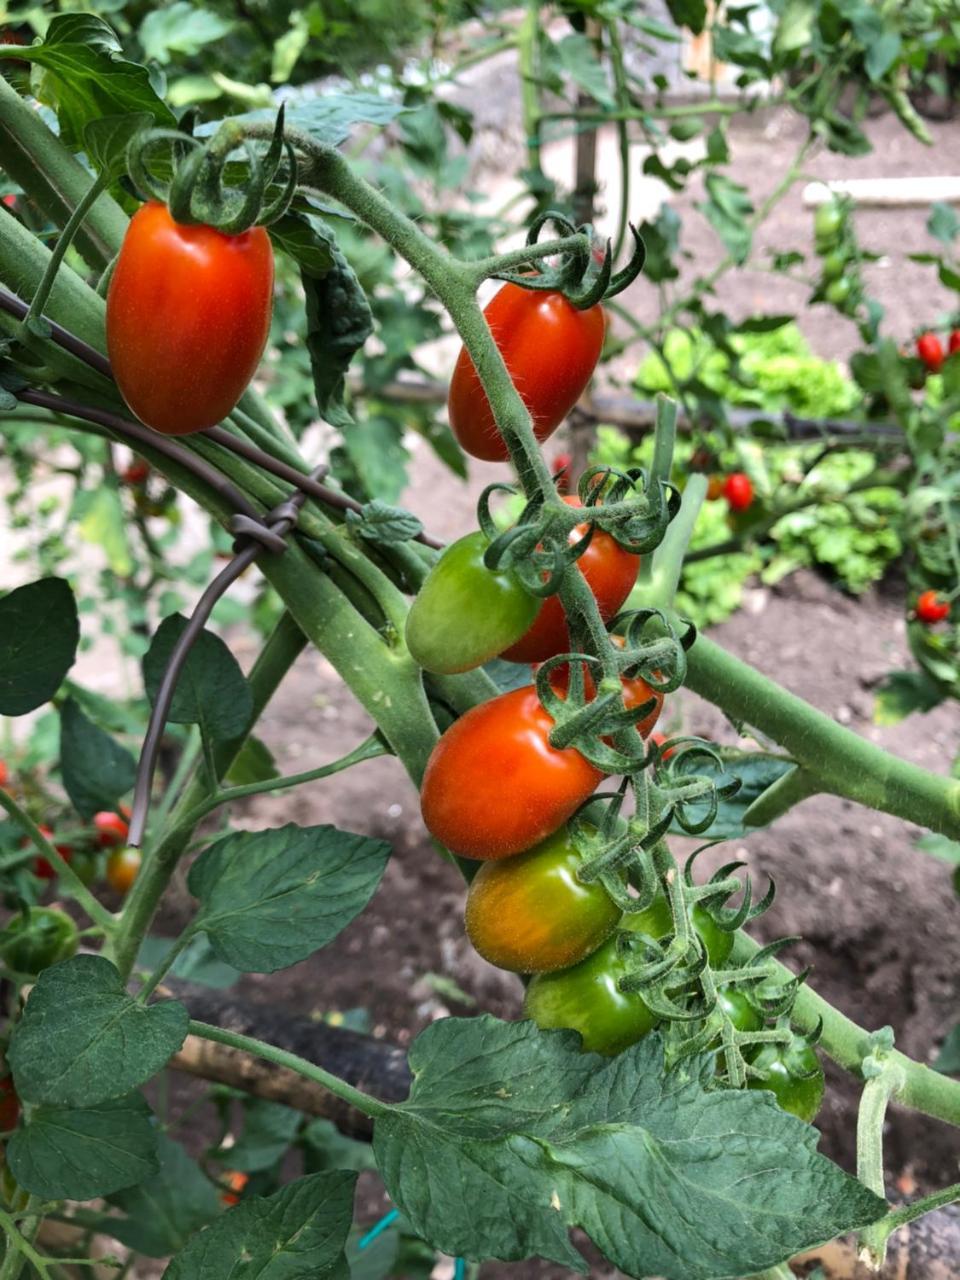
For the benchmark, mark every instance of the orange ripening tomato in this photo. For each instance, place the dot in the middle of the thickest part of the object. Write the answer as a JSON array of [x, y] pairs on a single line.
[[610, 573], [494, 786], [715, 488], [188, 312], [550, 350], [236, 1181], [636, 691], [122, 868]]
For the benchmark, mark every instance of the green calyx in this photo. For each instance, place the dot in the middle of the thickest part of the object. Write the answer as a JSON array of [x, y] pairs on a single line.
[[191, 180]]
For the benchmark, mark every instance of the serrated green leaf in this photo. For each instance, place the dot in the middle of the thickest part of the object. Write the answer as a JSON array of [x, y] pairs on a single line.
[[902, 693], [106, 139], [39, 634], [298, 1233], [727, 210], [165, 1209], [577, 56], [943, 224], [82, 1039], [328, 118], [339, 321], [96, 770], [547, 1138], [303, 238], [84, 1152], [212, 691], [381, 523], [180, 28], [87, 77], [268, 1130], [271, 898]]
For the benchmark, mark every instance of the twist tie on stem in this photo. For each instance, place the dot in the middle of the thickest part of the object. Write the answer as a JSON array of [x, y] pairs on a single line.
[[195, 192], [269, 533]]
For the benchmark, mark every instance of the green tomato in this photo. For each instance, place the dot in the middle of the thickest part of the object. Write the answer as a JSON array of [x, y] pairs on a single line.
[[827, 224], [833, 266], [656, 921], [735, 1004], [587, 999], [795, 1077], [465, 614], [838, 292], [531, 914], [31, 943]]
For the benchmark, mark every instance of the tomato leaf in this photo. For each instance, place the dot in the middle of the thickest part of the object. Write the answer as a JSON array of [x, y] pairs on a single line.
[[105, 141], [254, 763], [271, 898], [948, 1060], [943, 224], [298, 1233], [180, 28], [305, 239], [164, 1210], [727, 209], [339, 321], [268, 1129], [757, 772], [82, 1039], [39, 634], [80, 1153], [381, 523], [96, 770], [212, 691], [511, 1137], [902, 693], [87, 77]]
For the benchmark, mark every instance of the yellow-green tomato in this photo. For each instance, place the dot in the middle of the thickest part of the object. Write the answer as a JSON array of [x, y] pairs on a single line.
[[587, 999], [465, 613], [532, 915], [656, 922]]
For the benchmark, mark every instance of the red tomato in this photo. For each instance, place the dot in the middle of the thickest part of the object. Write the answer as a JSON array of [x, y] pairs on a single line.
[[550, 350], [610, 573], [42, 867], [930, 351], [122, 868], [9, 1104], [111, 829], [954, 344], [636, 691], [660, 739], [738, 491], [4, 773], [930, 608], [188, 312], [494, 786], [236, 1181], [136, 473]]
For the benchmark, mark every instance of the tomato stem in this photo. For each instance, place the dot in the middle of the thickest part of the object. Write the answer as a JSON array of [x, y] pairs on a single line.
[[34, 316]]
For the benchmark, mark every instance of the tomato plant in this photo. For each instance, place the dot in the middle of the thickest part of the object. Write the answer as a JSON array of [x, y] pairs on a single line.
[[793, 1075], [587, 999], [550, 349], [609, 571], [123, 866], [931, 608], [738, 491], [35, 940], [465, 613], [494, 786], [930, 351], [111, 829], [188, 313], [532, 914]]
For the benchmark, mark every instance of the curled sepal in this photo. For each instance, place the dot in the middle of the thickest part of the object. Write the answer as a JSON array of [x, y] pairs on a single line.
[[594, 291], [659, 658], [559, 220], [629, 273], [140, 151]]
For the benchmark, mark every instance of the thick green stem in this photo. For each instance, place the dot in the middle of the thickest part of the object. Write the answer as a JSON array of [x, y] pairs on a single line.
[[923, 1089], [667, 562], [795, 786], [372, 1107], [910, 1212], [841, 762], [874, 1100]]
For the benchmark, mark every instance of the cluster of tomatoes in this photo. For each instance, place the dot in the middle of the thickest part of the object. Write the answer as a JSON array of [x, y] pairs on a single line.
[[931, 352], [108, 831]]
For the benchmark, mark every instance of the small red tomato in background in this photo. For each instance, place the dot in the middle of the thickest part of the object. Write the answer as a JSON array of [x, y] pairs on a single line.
[[610, 573], [122, 868], [930, 608], [550, 350], [236, 1181], [4, 773], [9, 1104], [42, 866], [111, 829], [494, 785], [930, 351], [10, 202], [188, 313], [660, 739], [714, 488], [136, 473], [738, 491], [954, 344], [560, 468]]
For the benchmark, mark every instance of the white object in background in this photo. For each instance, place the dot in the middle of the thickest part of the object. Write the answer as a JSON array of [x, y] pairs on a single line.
[[884, 193]]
